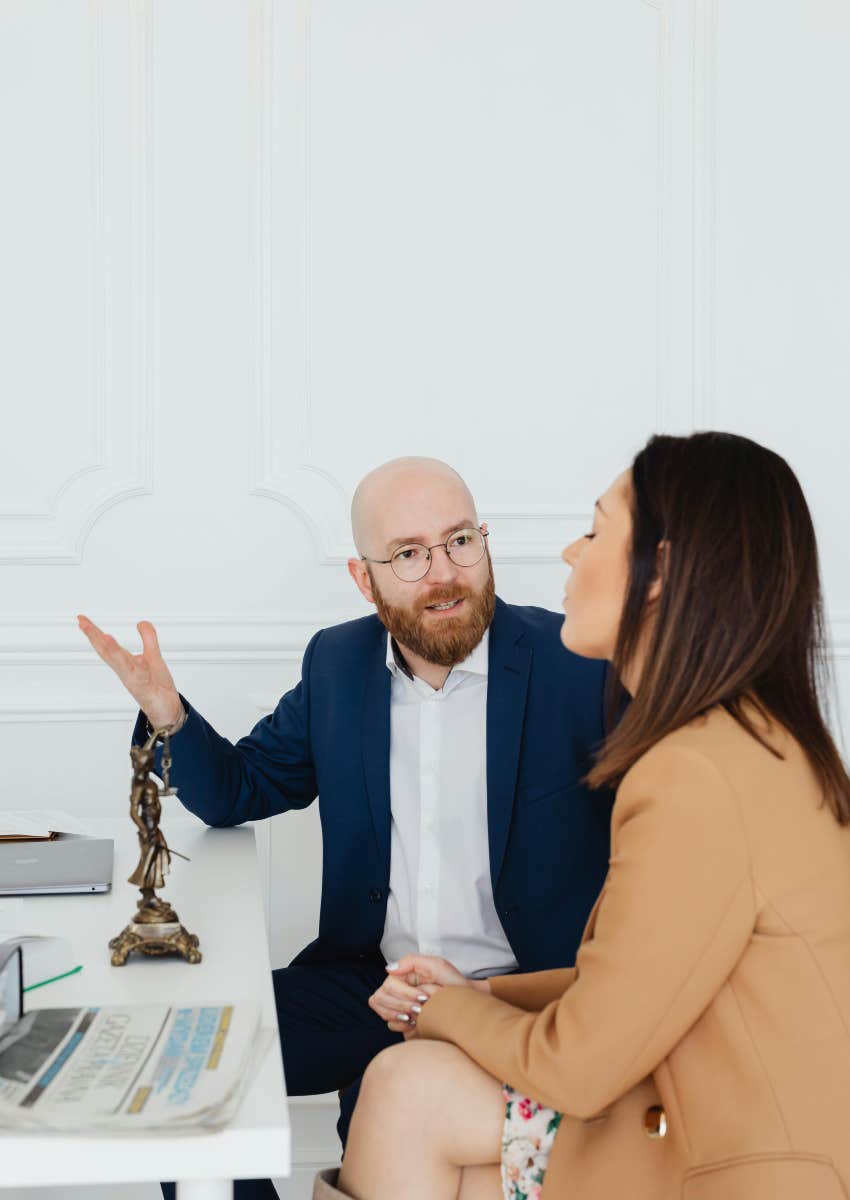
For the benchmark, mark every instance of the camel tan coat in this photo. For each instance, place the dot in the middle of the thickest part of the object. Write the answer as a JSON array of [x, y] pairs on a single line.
[[710, 1001]]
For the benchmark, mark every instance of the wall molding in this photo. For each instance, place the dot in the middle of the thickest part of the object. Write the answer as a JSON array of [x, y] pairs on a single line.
[[687, 337], [838, 636], [232, 639], [96, 460], [53, 709], [704, 277], [121, 451], [209, 638], [284, 468]]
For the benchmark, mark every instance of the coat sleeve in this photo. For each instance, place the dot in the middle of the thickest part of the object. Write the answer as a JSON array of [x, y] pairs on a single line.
[[676, 913], [534, 990], [267, 772]]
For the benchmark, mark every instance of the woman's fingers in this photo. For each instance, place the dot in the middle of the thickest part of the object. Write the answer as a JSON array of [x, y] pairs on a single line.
[[387, 1010], [423, 968], [420, 965], [396, 1001], [396, 990], [409, 1031]]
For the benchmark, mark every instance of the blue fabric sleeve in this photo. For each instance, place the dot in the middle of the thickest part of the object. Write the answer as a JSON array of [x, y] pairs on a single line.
[[267, 772]]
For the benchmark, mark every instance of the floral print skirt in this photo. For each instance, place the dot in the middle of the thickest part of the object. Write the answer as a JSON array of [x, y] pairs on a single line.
[[527, 1138]]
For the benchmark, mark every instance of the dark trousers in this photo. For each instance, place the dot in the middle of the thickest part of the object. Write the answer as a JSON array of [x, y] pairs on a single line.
[[328, 1035]]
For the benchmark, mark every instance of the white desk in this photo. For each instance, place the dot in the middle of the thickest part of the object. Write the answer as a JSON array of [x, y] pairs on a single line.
[[217, 897]]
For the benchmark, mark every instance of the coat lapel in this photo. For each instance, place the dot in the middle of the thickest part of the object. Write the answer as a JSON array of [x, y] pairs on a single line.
[[507, 688], [375, 740]]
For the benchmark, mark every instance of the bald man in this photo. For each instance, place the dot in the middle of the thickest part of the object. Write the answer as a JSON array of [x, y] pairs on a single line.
[[446, 736]]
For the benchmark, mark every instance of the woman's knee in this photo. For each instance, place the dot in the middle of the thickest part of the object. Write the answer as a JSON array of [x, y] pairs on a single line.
[[408, 1079]]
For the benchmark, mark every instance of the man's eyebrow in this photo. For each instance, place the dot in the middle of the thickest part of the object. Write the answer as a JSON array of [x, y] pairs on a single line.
[[420, 540]]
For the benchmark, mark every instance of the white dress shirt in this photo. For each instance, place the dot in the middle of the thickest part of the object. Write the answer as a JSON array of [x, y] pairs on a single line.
[[441, 897]]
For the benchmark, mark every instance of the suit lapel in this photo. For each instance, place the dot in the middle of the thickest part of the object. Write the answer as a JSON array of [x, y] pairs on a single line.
[[375, 740], [507, 688]]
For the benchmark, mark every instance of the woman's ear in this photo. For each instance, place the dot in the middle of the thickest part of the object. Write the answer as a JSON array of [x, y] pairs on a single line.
[[662, 561]]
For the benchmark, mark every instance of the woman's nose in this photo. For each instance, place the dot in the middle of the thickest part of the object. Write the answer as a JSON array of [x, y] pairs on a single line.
[[570, 553]]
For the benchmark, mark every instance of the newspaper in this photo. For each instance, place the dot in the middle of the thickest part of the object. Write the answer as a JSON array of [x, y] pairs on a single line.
[[126, 1068]]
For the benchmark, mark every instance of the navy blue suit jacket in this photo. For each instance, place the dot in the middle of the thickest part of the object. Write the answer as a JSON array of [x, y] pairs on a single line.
[[330, 737]]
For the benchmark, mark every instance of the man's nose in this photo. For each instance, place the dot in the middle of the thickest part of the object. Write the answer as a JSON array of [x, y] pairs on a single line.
[[443, 570]]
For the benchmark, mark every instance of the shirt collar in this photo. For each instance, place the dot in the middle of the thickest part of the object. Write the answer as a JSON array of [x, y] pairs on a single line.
[[476, 663]]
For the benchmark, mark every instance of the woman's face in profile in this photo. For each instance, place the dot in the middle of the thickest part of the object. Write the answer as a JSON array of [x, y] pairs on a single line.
[[596, 588]]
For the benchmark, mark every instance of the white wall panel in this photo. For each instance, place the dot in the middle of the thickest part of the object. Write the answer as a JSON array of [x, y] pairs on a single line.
[[783, 250], [250, 248], [75, 128], [467, 202]]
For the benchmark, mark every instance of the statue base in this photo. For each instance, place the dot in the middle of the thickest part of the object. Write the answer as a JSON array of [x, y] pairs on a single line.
[[154, 931]]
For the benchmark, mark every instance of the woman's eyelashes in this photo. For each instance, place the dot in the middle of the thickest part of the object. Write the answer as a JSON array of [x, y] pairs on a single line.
[[590, 536]]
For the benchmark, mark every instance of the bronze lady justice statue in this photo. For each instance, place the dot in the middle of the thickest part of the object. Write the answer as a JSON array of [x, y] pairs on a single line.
[[155, 928]]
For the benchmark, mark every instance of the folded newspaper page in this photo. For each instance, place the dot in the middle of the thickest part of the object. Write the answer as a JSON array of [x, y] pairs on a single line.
[[123, 1069]]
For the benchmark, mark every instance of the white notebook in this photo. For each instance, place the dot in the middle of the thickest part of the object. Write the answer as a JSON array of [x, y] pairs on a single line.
[[46, 959]]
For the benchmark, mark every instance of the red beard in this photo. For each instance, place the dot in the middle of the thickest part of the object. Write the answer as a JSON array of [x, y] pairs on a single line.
[[451, 639]]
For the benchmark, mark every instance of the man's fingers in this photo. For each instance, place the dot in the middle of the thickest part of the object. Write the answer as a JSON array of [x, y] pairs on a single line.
[[105, 645], [96, 636], [115, 656], [149, 639]]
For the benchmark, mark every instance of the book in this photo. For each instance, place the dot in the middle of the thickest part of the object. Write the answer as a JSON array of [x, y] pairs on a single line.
[[19, 825]]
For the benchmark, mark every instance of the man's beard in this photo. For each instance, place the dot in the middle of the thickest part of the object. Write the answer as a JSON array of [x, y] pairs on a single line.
[[448, 640]]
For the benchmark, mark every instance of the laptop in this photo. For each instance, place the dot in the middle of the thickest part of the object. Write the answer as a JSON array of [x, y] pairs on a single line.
[[70, 862]]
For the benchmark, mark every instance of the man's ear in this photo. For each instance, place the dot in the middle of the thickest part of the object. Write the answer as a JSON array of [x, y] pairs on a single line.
[[358, 571], [662, 560]]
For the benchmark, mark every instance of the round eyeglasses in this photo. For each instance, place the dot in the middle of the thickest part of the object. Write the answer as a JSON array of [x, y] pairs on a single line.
[[411, 562]]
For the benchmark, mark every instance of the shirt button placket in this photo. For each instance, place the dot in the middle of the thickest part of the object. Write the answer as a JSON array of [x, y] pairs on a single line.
[[429, 756]]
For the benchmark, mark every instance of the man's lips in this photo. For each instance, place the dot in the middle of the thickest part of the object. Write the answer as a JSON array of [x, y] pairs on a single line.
[[456, 604]]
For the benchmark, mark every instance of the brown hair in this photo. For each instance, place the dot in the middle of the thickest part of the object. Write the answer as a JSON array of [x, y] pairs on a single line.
[[740, 615]]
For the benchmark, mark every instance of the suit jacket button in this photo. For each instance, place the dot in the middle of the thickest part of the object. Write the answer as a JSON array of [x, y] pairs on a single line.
[[376, 895], [655, 1122]]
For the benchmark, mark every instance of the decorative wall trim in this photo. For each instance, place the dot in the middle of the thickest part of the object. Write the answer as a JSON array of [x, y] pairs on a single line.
[[687, 338], [704, 212], [56, 641], [121, 463], [208, 639], [96, 460], [291, 476], [52, 709], [664, 400], [838, 633]]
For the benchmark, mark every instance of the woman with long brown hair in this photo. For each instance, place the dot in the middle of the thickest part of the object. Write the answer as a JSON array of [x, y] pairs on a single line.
[[700, 1046]]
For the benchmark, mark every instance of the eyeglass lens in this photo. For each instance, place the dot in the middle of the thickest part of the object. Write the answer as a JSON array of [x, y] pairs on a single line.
[[411, 562]]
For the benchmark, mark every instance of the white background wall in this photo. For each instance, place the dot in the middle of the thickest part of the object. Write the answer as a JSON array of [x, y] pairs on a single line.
[[250, 248]]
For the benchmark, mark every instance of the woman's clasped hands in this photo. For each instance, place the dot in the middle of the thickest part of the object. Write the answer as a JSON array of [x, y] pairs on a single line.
[[409, 985]]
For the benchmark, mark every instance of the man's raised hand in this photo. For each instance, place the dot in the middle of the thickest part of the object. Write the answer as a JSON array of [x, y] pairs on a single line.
[[145, 675]]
